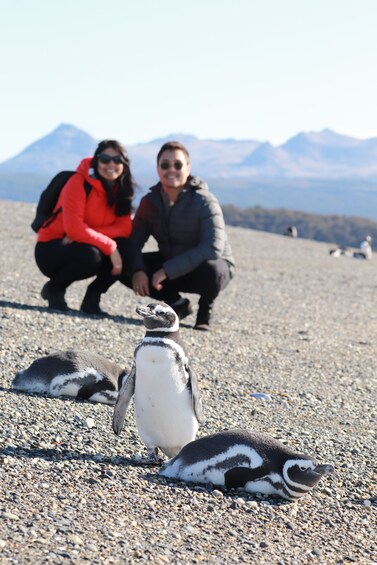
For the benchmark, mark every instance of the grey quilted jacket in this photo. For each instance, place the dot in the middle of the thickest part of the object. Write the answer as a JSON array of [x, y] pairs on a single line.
[[188, 233]]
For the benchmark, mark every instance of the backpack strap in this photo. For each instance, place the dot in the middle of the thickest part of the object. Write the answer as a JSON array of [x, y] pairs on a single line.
[[50, 219]]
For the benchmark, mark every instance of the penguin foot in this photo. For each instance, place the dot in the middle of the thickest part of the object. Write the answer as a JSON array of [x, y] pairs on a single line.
[[151, 459]]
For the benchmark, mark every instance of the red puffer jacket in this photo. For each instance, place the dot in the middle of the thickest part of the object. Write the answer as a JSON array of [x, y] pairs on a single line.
[[87, 219]]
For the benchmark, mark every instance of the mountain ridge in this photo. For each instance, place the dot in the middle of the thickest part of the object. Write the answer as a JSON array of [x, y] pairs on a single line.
[[324, 154], [322, 172]]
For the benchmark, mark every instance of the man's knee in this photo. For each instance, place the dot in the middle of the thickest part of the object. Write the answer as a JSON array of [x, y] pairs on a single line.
[[215, 273]]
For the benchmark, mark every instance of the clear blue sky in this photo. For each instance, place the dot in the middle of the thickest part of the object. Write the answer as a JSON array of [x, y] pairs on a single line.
[[140, 69]]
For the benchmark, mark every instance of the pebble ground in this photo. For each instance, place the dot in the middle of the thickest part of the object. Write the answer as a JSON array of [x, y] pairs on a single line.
[[295, 323]]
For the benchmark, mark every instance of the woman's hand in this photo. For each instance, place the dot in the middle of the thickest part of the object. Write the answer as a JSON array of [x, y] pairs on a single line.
[[66, 240], [140, 283], [117, 262]]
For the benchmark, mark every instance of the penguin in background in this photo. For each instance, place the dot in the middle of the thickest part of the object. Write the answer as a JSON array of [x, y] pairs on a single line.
[[72, 373], [168, 408], [365, 249], [291, 231], [246, 459], [340, 251]]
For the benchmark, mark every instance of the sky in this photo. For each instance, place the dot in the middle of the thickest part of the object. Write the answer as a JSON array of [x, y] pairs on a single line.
[[217, 69]]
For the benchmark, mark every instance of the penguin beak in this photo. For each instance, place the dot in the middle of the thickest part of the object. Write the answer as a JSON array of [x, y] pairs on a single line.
[[324, 469], [143, 311]]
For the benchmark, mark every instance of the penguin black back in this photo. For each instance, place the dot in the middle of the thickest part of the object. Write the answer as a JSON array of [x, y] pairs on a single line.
[[248, 459]]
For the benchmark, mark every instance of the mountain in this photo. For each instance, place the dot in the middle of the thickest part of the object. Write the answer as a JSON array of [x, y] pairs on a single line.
[[322, 172], [62, 149], [337, 155], [319, 155]]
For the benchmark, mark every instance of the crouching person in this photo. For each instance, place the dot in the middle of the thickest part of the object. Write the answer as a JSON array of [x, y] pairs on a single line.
[[186, 220], [87, 234]]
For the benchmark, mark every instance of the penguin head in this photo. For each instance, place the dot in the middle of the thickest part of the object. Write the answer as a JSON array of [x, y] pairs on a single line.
[[159, 317], [301, 475]]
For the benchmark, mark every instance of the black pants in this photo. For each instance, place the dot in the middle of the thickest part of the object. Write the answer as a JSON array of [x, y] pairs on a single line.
[[65, 264], [207, 280]]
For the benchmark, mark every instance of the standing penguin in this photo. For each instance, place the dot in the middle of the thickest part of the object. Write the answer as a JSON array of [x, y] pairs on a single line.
[[77, 374], [252, 460], [167, 402]]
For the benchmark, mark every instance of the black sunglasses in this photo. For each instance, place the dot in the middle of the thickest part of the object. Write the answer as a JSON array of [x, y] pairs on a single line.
[[105, 159], [165, 165]]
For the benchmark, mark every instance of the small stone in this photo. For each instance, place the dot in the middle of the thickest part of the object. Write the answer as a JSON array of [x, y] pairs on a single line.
[[2, 544], [89, 423], [92, 547], [251, 504], [217, 493], [261, 396], [9, 516], [190, 529], [73, 538]]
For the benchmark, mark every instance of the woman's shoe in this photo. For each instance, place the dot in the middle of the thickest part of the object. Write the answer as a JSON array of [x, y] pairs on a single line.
[[54, 297]]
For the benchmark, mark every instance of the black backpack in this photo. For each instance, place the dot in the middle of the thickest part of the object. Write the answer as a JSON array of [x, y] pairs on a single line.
[[49, 197]]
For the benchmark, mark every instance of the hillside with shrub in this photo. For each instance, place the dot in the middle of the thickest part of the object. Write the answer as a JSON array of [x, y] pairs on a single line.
[[340, 230]]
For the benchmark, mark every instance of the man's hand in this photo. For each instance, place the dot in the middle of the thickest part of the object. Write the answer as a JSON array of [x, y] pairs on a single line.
[[158, 277]]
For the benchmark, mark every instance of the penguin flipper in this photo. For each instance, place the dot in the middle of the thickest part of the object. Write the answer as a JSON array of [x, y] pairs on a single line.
[[195, 392], [237, 477], [124, 398]]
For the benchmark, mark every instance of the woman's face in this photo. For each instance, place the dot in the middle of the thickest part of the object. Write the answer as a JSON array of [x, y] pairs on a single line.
[[173, 169], [107, 168]]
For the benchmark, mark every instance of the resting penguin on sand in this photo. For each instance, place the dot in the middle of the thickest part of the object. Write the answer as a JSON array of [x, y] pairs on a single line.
[[252, 460], [77, 374], [167, 403]]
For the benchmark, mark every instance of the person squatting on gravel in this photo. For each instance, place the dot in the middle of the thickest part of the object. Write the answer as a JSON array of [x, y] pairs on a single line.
[[90, 235], [186, 220]]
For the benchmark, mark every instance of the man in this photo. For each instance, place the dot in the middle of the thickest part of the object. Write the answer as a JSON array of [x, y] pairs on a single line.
[[187, 222]]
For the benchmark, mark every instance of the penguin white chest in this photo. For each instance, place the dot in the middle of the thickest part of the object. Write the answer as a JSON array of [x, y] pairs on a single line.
[[163, 404]]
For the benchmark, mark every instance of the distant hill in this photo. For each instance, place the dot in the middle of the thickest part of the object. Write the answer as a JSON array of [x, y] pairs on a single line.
[[320, 172], [61, 149], [339, 230]]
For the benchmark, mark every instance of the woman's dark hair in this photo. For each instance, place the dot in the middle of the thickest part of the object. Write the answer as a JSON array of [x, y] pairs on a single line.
[[122, 198]]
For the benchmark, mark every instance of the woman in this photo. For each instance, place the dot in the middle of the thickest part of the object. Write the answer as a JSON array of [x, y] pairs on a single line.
[[187, 222], [90, 235]]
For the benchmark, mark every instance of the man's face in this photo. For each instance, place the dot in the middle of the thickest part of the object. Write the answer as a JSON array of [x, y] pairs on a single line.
[[173, 169]]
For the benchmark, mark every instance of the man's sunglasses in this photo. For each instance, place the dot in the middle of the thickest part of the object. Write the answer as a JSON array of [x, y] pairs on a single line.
[[165, 165], [105, 159]]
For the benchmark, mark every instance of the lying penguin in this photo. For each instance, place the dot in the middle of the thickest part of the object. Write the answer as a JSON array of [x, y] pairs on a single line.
[[168, 407], [339, 251], [252, 460], [72, 373]]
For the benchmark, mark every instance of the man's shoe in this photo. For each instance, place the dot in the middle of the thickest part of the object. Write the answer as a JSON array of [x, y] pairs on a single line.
[[54, 297], [90, 303], [182, 308], [203, 317]]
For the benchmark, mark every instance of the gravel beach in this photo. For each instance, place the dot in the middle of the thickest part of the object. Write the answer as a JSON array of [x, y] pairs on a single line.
[[295, 323]]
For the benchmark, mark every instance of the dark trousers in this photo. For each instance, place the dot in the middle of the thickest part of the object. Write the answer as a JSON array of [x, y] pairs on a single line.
[[207, 280], [65, 264]]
